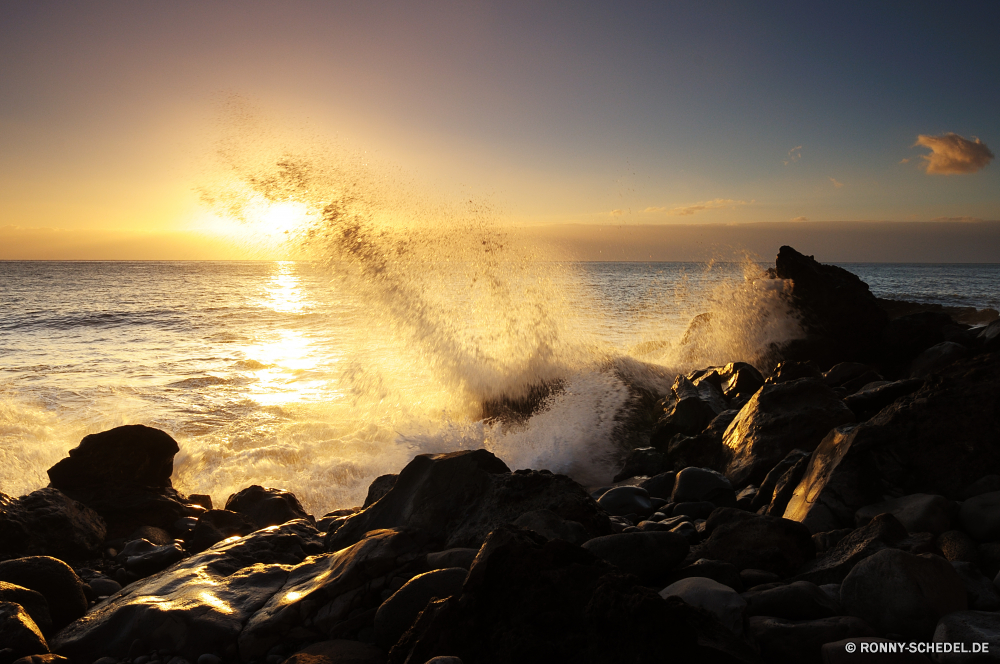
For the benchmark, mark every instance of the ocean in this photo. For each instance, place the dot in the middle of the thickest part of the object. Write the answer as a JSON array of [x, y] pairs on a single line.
[[315, 378]]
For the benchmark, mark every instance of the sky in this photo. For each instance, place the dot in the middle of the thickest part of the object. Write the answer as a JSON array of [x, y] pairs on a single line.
[[569, 116]]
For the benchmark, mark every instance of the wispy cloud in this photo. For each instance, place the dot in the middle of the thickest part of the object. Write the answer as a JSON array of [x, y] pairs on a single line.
[[687, 210], [952, 154], [616, 213], [836, 184], [958, 219], [799, 219], [904, 160], [793, 155]]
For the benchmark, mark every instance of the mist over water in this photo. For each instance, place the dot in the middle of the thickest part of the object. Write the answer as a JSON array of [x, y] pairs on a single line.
[[317, 376]]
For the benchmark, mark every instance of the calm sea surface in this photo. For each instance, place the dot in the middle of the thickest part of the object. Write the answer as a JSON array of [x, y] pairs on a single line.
[[270, 372]]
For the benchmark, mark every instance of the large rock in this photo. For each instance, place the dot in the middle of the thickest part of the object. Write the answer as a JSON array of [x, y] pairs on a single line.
[[721, 601], [550, 525], [919, 512], [686, 411], [32, 601], [761, 542], [625, 500], [527, 600], [882, 532], [778, 419], [18, 632], [905, 337], [647, 554], [216, 525], [968, 628], [460, 497], [52, 579], [200, 605], [48, 523], [841, 317], [765, 493], [264, 506], [902, 593], [936, 358], [800, 600], [703, 484], [938, 440], [124, 475], [396, 614]]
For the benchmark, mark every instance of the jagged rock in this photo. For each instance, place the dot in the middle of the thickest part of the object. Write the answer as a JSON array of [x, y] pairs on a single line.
[[882, 532], [719, 600], [724, 573], [785, 486], [32, 601], [919, 512], [648, 555], [841, 317], [761, 542], [48, 523], [703, 484], [52, 579], [216, 525], [800, 600], [380, 486], [739, 381], [397, 613], [937, 357], [19, 633], [124, 475], [938, 440], [550, 525], [778, 419], [642, 461], [460, 497], [687, 412], [530, 600], [201, 604], [968, 627], [800, 641], [901, 593], [264, 506]]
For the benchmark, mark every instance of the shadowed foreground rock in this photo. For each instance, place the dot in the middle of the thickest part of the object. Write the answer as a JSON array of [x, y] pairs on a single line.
[[48, 523]]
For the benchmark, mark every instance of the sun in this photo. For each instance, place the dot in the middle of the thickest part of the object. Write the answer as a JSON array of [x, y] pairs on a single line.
[[281, 219]]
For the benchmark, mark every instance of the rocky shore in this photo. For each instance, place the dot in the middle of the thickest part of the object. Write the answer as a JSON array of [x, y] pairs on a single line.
[[841, 489]]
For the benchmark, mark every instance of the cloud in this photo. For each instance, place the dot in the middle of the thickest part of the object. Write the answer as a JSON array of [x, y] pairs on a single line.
[[800, 219], [656, 209], [904, 160], [952, 154], [837, 185], [958, 219], [616, 213], [793, 155], [718, 203]]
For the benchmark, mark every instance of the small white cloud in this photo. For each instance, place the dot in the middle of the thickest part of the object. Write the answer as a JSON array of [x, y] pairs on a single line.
[[800, 219], [836, 184], [656, 209], [952, 154], [616, 213], [718, 203], [904, 160], [793, 155], [966, 220]]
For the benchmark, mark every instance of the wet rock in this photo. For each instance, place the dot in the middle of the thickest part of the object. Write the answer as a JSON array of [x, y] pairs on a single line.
[[42, 659], [530, 600], [397, 613], [778, 419], [739, 381], [660, 486], [746, 496], [339, 651], [625, 500], [867, 402], [724, 573], [882, 532], [460, 497], [766, 491], [19, 633], [103, 586], [982, 594], [919, 512], [380, 486], [703, 484], [845, 372], [642, 461], [32, 601], [459, 557], [800, 641], [788, 371], [142, 557], [968, 627], [216, 525], [936, 358], [124, 475], [264, 506], [761, 542], [201, 604], [550, 525], [48, 523], [54, 580], [648, 555], [799, 600], [784, 488], [719, 600], [901, 593], [878, 651], [842, 319], [686, 412], [956, 545]]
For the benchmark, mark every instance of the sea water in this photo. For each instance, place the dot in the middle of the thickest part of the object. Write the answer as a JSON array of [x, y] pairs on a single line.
[[290, 374]]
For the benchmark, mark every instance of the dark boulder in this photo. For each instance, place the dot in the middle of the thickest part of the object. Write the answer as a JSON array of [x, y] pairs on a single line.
[[33, 602], [882, 532], [842, 319], [982, 594], [761, 542], [378, 488], [460, 497], [625, 500], [216, 525], [703, 484], [19, 635], [919, 512], [142, 558], [648, 555], [799, 600], [396, 614], [904, 338], [644, 461], [938, 440], [48, 523], [660, 486], [52, 579], [778, 419], [264, 506], [788, 371], [766, 490], [969, 627], [868, 402], [686, 411], [550, 525], [124, 475], [337, 651], [937, 357], [717, 570], [801, 641], [784, 488]]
